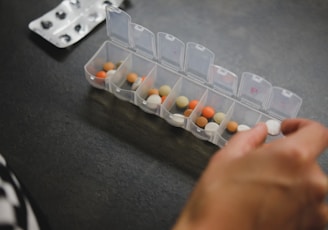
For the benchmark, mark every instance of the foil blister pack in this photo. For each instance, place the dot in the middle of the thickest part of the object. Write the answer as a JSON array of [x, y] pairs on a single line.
[[71, 20]]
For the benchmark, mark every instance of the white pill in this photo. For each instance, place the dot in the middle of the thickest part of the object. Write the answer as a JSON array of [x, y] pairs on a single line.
[[241, 128], [177, 119], [153, 101], [211, 128], [110, 73], [273, 127], [136, 84]]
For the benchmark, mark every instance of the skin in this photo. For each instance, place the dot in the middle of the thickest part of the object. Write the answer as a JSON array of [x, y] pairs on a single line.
[[250, 184]]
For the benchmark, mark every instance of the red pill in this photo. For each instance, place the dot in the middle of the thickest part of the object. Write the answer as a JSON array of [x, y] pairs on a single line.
[[193, 104], [208, 112], [101, 74]]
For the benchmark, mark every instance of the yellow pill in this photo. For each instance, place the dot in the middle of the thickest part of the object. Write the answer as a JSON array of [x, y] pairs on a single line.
[[182, 102]]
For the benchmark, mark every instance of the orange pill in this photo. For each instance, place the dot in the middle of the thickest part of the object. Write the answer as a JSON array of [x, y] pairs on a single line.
[[208, 112], [193, 104], [201, 121], [232, 126], [187, 112], [109, 66], [131, 77], [163, 98], [153, 91], [101, 74]]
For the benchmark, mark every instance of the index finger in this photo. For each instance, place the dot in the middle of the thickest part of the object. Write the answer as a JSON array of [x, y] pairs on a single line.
[[310, 137]]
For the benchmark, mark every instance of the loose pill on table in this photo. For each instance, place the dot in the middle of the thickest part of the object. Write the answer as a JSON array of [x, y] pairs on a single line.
[[193, 104], [273, 127], [153, 91], [242, 127], [131, 77], [211, 128], [108, 66], [208, 112], [101, 74], [201, 121], [182, 102], [153, 101], [232, 126], [164, 90], [187, 112], [219, 117]]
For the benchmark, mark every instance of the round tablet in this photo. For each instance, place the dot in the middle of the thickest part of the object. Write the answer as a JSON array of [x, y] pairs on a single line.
[[201, 121], [177, 119], [163, 98], [108, 66], [232, 126], [136, 84], [193, 104], [101, 74], [273, 127], [131, 77], [219, 117], [187, 112], [242, 127], [164, 90], [182, 102], [153, 101], [110, 73], [211, 128], [153, 91], [208, 112]]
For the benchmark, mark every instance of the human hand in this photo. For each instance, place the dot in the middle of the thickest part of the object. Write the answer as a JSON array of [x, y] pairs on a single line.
[[250, 184]]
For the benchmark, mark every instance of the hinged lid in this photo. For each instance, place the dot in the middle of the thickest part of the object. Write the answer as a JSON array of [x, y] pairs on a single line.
[[283, 103], [254, 90], [118, 26], [170, 51], [198, 60], [223, 80], [143, 40]]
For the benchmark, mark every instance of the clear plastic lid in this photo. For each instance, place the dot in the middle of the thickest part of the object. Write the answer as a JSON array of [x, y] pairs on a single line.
[[254, 90], [118, 26], [283, 103], [170, 51], [198, 61], [223, 80], [143, 40]]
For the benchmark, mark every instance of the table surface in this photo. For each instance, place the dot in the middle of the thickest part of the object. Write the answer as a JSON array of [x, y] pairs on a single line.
[[92, 161]]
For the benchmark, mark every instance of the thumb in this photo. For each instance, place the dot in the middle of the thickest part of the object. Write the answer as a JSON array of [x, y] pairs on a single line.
[[246, 141]]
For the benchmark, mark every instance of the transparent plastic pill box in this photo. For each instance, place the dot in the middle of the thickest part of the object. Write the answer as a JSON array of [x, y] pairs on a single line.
[[189, 70]]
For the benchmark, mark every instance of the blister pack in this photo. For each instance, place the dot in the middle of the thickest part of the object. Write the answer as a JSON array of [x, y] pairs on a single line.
[[71, 20]]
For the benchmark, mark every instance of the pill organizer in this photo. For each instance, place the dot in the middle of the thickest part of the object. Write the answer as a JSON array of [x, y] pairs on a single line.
[[71, 20], [189, 69]]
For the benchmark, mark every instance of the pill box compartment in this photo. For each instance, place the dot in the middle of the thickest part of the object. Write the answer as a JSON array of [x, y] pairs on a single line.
[[184, 87], [159, 76], [119, 85], [220, 103], [190, 71], [108, 52]]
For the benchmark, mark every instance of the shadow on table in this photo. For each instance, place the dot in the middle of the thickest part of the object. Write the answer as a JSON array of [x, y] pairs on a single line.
[[147, 132]]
